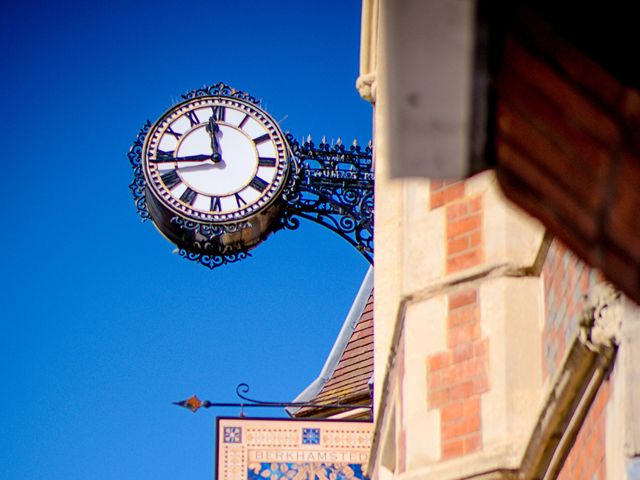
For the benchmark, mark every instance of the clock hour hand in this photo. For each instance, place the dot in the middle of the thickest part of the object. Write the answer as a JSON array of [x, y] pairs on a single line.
[[168, 158], [213, 129]]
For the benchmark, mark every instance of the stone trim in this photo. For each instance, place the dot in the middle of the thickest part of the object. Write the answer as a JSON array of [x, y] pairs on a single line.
[[366, 82], [386, 418], [584, 368]]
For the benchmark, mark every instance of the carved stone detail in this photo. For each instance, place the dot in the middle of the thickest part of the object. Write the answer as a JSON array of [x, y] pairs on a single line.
[[600, 325], [366, 86]]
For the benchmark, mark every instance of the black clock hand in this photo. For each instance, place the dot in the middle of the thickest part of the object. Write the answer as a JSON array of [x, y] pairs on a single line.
[[212, 128], [167, 158]]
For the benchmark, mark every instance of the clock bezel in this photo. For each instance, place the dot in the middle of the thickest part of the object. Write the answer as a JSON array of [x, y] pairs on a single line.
[[163, 194]]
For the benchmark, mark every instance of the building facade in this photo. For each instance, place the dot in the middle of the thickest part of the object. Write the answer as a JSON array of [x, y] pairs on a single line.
[[499, 354]]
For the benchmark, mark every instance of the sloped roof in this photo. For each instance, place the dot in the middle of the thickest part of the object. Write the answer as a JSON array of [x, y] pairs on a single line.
[[348, 370]]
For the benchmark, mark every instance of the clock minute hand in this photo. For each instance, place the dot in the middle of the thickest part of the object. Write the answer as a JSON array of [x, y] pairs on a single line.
[[212, 128], [189, 158]]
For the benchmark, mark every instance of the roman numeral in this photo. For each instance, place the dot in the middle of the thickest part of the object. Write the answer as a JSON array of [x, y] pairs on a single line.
[[215, 204], [219, 113], [244, 121], [192, 117], [170, 179], [171, 131], [163, 156], [259, 184], [261, 139], [239, 200], [189, 196], [266, 162]]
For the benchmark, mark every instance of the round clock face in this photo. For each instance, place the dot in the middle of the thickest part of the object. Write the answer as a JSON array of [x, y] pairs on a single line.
[[215, 159]]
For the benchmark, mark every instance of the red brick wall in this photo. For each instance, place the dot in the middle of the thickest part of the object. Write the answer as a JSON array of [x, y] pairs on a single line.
[[566, 280], [445, 191], [463, 224], [457, 377], [587, 458], [464, 234]]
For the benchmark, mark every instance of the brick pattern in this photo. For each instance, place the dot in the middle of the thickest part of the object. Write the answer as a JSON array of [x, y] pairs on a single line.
[[464, 217], [464, 234], [567, 144], [445, 191], [566, 280], [587, 458], [457, 377]]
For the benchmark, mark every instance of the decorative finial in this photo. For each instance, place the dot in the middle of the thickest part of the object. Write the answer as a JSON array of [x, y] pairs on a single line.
[[309, 138], [339, 141], [355, 142], [193, 403], [324, 139]]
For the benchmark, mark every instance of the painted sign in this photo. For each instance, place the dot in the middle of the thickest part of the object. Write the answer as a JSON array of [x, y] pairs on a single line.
[[277, 449]]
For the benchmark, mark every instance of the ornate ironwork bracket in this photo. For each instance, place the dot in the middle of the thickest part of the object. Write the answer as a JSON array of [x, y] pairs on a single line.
[[333, 186], [194, 403]]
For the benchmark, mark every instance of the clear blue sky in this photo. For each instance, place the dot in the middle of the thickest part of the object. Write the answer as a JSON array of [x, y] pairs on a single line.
[[101, 326]]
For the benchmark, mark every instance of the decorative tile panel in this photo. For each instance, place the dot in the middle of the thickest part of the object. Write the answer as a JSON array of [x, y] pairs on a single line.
[[232, 435], [311, 436], [252, 449]]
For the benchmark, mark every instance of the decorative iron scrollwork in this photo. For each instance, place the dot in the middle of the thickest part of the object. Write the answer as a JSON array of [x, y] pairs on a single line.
[[138, 185], [213, 261], [333, 187], [210, 231], [220, 89]]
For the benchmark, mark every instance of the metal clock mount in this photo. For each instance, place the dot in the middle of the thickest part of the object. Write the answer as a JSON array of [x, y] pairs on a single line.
[[217, 176]]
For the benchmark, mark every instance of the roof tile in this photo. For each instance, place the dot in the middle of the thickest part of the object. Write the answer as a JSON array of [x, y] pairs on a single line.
[[350, 380]]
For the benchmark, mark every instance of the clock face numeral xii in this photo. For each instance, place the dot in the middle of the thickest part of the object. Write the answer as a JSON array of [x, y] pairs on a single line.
[[219, 113]]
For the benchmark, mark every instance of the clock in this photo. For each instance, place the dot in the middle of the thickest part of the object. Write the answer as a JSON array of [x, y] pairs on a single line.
[[215, 167], [216, 176]]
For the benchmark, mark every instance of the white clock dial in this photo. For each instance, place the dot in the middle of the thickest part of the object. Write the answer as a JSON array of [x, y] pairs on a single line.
[[215, 159]]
